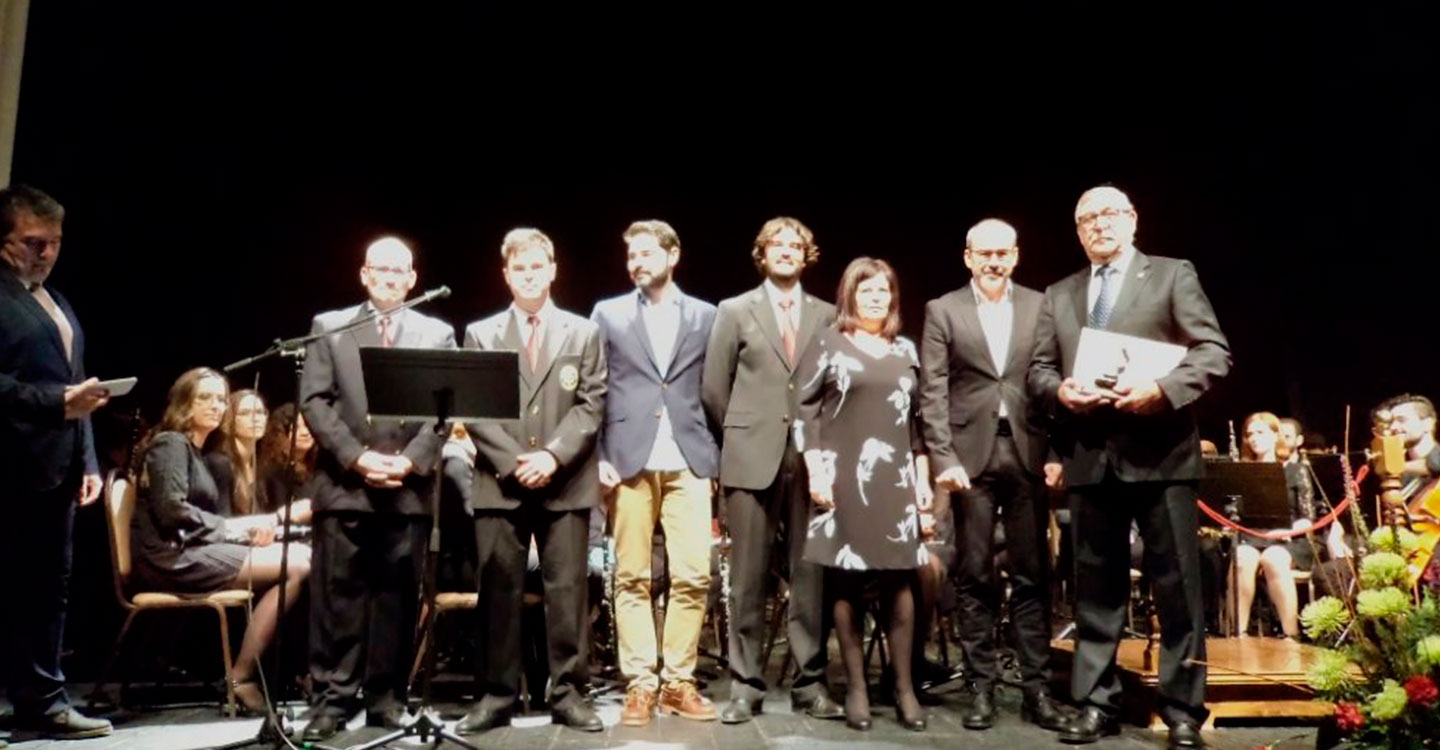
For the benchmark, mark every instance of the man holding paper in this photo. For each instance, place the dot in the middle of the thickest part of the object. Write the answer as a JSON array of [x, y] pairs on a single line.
[[1130, 450]]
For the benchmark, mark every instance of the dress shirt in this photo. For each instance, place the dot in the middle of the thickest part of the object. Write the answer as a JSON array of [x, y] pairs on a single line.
[[662, 324], [1120, 264], [997, 320]]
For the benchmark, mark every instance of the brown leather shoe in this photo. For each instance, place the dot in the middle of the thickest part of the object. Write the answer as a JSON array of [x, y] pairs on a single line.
[[684, 700], [639, 707]]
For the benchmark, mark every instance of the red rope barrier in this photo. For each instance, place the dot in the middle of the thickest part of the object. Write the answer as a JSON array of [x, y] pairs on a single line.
[[1286, 534]]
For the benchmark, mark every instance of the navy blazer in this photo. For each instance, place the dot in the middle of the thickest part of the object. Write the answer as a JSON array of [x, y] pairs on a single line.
[[637, 391], [39, 449]]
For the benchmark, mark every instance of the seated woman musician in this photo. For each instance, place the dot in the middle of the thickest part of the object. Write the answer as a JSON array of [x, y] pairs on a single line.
[[179, 545], [1277, 559]]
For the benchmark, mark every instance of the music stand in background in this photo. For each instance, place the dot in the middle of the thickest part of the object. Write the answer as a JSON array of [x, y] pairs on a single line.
[[1252, 494], [438, 384]]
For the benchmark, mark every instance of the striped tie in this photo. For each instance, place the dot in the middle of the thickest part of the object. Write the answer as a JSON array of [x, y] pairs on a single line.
[[1105, 303]]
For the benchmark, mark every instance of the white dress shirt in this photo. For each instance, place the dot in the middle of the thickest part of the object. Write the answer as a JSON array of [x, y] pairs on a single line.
[[522, 323], [662, 324], [776, 295], [997, 321]]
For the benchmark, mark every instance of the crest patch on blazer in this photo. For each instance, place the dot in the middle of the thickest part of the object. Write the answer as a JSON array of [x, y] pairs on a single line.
[[569, 377]]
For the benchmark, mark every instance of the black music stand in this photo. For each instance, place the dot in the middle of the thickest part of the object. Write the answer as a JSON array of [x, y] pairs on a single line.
[[439, 384], [1254, 495]]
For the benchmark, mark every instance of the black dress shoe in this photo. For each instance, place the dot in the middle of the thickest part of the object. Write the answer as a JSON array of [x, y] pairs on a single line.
[[982, 711], [1089, 726], [482, 720], [1040, 710], [822, 706], [1185, 735], [322, 727], [578, 715], [66, 725], [388, 717], [739, 711]]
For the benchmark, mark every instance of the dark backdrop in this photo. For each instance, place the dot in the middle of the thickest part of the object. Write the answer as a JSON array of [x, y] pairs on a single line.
[[224, 166]]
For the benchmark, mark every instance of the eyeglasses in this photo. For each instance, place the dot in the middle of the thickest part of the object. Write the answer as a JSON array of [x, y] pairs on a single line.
[[388, 270], [1004, 255], [1108, 214]]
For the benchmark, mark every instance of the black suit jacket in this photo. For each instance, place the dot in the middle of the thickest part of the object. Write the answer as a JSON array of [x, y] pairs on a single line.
[[562, 403], [961, 389], [1161, 299], [749, 389], [332, 396], [39, 448]]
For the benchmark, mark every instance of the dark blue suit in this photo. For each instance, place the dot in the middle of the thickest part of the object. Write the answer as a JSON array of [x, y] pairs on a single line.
[[637, 390], [43, 457]]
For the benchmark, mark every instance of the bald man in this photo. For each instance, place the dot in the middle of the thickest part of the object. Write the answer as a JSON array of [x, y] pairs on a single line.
[[1130, 453], [371, 504], [988, 448]]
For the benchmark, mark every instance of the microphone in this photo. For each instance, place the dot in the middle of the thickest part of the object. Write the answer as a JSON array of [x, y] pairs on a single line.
[[434, 294]]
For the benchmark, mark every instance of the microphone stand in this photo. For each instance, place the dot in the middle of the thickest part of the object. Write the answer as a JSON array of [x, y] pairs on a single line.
[[273, 732]]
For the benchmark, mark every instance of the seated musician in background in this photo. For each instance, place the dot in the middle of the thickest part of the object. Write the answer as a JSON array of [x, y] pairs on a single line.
[[1277, 558], [278, 471], [179, 546], [233, 459], [1412, 418]]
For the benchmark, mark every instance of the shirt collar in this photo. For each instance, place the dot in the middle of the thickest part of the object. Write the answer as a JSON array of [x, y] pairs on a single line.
[[776, 294], [1121, 262], [981, 299], [669, 297], [545, 312]]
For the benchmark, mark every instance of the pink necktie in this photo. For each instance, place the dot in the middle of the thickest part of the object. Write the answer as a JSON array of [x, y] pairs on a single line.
[[532, 343], [387, 331], [787, 329]]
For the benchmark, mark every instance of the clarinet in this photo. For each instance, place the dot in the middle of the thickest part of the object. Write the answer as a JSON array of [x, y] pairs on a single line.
[[1362, 532]]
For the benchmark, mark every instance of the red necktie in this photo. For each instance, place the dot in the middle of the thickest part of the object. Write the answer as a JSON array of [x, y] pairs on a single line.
[[532, 343], [387, 331], [787, 329]]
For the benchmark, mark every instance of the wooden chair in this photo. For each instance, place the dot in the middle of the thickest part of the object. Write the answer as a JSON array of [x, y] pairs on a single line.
[[119, 498]]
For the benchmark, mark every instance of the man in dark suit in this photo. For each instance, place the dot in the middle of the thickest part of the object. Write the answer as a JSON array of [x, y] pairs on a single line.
[[47, 463], [536, 478], [749, 391], [1130, 452], [372, 517], [988, 448], [659, 456]]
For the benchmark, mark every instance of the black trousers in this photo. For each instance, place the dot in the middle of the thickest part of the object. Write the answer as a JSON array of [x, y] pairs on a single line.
[[753, 518], [35, 551], [1004, 486], [364, 600], [502, 542], [1166, 516]]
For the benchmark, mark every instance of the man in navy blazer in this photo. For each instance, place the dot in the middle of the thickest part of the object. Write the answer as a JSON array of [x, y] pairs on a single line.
[[47, 463], [659, 455]]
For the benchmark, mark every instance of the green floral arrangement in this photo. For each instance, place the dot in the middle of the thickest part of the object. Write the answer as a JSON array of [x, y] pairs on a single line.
[[1382, 673]]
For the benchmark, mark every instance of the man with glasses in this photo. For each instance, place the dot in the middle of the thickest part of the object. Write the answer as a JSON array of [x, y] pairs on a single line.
[[749, 391], [988, 449], [371, 504], [47, 464], [1130, 452]]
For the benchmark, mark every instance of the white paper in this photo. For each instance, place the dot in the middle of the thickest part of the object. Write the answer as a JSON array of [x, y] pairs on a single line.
[[1128, 359], [118, 386]]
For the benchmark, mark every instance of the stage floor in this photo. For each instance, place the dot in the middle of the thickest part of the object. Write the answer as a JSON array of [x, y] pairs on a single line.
[[192, 727]]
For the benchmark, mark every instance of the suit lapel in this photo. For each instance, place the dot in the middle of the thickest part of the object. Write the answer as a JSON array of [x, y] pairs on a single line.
[[509, 338], [31, 305], [642, 332], [1136, 276], [972, 332], [1024, 318], [809, 323], [765, 316], [555, 336], [682, 331], [366, 335], [1079, 294]]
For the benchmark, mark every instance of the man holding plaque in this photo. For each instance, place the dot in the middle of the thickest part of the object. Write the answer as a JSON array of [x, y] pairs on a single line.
[[1130, 451]]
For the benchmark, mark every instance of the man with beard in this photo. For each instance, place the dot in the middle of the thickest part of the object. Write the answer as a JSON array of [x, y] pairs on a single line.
[[988, 449], [1413, 419], [659, 457], [536, 478], [749, 390], [1131, 454]]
